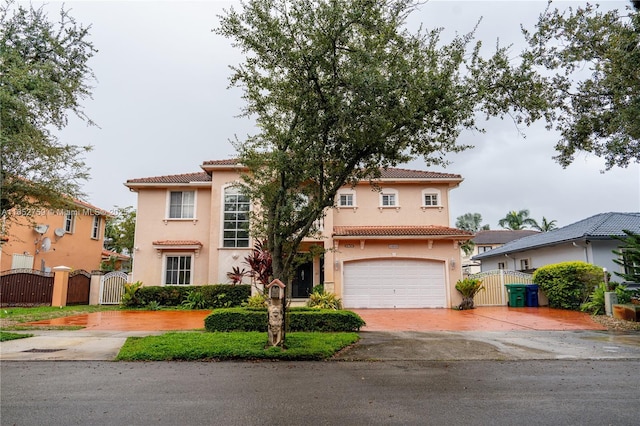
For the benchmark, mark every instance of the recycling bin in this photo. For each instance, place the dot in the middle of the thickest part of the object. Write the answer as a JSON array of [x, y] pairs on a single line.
[[531, 295], [517, 294]]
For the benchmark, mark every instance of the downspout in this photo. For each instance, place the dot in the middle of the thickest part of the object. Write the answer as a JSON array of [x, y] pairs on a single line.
[[585, 248], [514, 261]]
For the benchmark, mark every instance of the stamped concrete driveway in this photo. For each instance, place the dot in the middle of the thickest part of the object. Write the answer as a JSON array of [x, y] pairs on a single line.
[[480, 319]]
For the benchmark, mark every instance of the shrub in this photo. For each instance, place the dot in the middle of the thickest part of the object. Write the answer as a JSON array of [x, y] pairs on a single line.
[[258, 300], [568, 285], [215, 296], [194, 300], [248, 319], [468, 287], [131, 294], [596, 304], [322, 300]]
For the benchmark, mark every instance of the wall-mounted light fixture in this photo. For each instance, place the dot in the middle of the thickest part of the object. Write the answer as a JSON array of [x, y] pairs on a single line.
[[452, 263]]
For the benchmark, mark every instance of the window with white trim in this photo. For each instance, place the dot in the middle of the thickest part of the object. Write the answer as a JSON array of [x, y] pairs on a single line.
[[389, 198], [236, 218], [482, 249], [502, 265], [70, 222], [95, 228], [524, 264], [178, 269], [182, 204], [431, 197], [346, 198]]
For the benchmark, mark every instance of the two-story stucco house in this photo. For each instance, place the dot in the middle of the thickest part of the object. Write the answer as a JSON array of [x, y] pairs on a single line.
[[42, 238], [391, 248]]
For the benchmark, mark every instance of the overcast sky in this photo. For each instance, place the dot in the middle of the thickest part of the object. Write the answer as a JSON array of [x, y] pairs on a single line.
[[163, 106]]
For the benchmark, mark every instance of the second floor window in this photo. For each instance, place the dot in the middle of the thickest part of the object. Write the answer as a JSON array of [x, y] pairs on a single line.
[[95, 228], [236, 219], [69, 222], [430, 199], [346, 200], [182, 204], [388, 200]]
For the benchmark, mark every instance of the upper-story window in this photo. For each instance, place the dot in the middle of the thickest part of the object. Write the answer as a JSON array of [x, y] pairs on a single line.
[[482, 249], [95, 228], [236, 218], [389, 198], [70, 222], [182, 204], [347, 198], [431, 198]]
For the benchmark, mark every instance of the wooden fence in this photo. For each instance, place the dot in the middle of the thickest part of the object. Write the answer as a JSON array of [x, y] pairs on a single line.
[[79, 287], [25, 287]]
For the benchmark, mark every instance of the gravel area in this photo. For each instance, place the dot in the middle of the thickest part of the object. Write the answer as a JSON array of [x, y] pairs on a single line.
[[614, 324]]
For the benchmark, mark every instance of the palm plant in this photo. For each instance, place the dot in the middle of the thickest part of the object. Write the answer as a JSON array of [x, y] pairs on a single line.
[[545, 226], [516, 220]]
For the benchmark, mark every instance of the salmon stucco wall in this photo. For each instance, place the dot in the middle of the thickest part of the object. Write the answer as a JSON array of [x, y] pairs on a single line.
[[77, 249]]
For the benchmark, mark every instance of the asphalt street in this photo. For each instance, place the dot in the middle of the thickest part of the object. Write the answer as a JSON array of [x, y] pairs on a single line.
[[541, 392]]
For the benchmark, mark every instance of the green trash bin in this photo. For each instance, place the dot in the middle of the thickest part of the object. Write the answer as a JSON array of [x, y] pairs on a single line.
[[517, 295]]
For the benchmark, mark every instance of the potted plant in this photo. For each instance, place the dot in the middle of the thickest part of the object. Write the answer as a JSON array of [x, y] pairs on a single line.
[[468, 288]]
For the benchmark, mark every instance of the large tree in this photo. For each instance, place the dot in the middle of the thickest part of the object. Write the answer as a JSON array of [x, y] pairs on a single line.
[[593, 57], [44, 76], [120, 230], [341, 88]]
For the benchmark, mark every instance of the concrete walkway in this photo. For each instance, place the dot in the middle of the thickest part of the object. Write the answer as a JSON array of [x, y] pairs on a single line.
[[390, 333]]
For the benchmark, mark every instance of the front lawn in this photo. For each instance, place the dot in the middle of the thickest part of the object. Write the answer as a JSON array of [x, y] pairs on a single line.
[[4, 336], [191, 346]]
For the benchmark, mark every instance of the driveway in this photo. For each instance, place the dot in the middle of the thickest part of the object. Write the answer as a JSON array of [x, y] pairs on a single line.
[[423, 320], [412, 334]]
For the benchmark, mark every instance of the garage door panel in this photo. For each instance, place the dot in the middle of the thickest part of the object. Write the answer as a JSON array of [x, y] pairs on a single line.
[[394, 283]]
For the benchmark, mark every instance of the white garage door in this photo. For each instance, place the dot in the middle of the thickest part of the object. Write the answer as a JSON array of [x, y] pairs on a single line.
[[394, 283]]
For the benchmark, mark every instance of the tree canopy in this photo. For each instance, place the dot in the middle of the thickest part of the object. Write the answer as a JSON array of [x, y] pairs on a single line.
[[516, 220], [342, 88], [44, 76], [593, 57], [629, 256], [120, 230]]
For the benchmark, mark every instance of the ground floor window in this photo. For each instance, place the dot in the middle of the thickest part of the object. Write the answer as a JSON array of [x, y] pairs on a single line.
[[178, 269]]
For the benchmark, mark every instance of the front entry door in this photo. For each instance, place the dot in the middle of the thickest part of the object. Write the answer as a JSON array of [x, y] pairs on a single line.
[[302, 281]]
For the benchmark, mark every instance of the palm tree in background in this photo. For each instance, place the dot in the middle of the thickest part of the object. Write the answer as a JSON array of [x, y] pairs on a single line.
[[516, 221], [545, 226]]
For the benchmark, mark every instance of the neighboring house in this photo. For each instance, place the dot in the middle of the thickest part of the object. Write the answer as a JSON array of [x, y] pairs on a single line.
[[489, 240], [43, 238], [114, 261], [392, 248], [589, 240]]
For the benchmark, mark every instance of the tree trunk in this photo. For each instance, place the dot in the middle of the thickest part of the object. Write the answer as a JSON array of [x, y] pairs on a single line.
[[467, 303]]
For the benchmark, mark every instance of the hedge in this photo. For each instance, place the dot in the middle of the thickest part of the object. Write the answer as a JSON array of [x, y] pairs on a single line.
[[568, 285], [215, 295], [298, 319]]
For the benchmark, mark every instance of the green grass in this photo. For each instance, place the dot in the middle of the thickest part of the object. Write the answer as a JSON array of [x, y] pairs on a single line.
[[191, 346], [16, 316], [4, 336]]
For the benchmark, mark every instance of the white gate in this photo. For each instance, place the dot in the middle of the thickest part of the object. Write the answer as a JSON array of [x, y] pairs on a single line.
[[495, 293], [112, 287]]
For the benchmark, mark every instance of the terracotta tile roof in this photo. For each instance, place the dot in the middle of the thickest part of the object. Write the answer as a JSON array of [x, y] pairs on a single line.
[[396, 173], [181, 178], [120, 256], [177, 243], [380, 231], [227, 162]]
